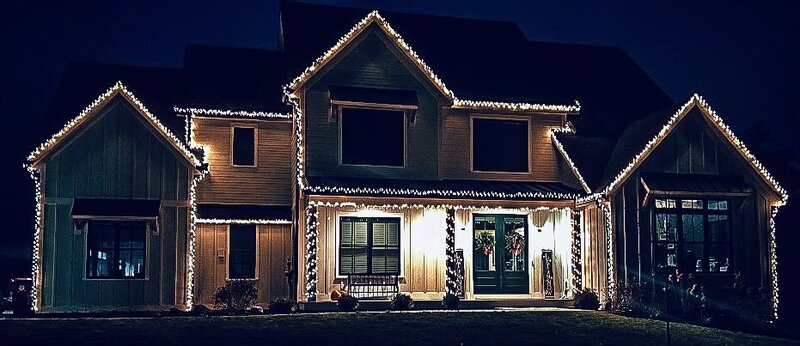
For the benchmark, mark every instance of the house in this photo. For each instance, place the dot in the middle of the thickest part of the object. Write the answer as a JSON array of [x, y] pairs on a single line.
[[417, 154]]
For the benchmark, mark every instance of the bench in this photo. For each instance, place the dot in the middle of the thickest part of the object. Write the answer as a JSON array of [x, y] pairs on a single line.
[[372, 286]]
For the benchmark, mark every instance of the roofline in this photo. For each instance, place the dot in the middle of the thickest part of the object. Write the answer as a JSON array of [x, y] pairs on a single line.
[[563, 152], [44, 149], [699, 102], [214, 112], [395, 37]]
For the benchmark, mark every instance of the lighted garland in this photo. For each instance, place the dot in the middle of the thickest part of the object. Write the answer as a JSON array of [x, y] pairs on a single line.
[[609, 247], [577, 263], [97, 104], [563, 152], [697, 101], [451, 285], [192, 238], [507, 106], [437, 192], [773, 256], [312, 233], [407, 206], [230, 113], [244, 221], [37, 235]]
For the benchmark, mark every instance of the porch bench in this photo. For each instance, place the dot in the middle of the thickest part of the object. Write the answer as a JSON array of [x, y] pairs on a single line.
[[372, 286]]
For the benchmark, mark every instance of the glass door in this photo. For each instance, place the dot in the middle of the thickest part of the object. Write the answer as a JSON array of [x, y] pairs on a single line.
[[500, 254]]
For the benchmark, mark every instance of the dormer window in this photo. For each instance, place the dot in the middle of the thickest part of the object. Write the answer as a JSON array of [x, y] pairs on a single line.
[[500, 145], [243, 146], [372, 124]]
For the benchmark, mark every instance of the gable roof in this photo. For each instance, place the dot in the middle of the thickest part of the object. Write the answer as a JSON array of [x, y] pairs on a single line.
[[636, 144], [118, 89], [375, 18]]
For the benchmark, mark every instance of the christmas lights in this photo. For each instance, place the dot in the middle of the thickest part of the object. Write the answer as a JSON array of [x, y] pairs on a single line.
[[602, 204], [94, 107], [244, 221], [773, 257], [452, 279], [37, 239], [406, 206], [192, 238], [506, 106], [577, 264], [312, 223], [563, 152], [697, 101], [229, 113], [437, 192]]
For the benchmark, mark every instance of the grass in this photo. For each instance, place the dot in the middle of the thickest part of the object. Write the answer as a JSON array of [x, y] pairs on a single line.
[[468, 328]]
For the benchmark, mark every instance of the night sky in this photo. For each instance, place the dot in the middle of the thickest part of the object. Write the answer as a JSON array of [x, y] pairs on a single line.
[[742, 56]]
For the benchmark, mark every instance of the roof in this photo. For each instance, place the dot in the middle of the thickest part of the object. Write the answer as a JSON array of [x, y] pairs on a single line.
[[241, 212], [440, 188], [675, 183], [144, 208], [504, 67], [589, 155]]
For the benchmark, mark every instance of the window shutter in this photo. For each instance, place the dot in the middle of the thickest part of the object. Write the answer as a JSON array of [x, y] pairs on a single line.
[[393, 234], [378, 234], [360, 261], [347, 233], [360, 236]]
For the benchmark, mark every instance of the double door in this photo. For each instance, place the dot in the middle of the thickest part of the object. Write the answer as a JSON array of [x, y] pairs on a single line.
[[500, 254]]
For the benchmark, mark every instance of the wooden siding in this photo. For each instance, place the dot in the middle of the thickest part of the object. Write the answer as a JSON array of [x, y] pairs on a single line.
[[455, 156], [371, 62], [269, 183], [117, 155], [594, 252], [273, 246]]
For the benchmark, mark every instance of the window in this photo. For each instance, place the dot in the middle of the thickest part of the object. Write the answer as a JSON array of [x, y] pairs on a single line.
[[373, 137], [369, 246], [499, 145], [244, 146], [692, 234], [242, 254], [115, 249]]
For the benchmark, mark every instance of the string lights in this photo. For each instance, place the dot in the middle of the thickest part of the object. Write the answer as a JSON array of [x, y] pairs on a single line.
[[230, 113], [773, 257], [452, 279], [37, 239], [577, 263], [438, 192], [520, 107], [564, 154], [610, 280], [312, 233], [192, 238], [408, 206], [244, 221]]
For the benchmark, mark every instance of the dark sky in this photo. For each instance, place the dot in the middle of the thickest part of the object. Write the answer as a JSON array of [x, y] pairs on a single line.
[[742, 55]]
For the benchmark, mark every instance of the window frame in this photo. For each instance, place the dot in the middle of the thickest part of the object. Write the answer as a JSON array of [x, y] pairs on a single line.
[[233, 128], [373, 106], [338, 234], [146, 250], [501, 118], [680, 243], [229, 252]]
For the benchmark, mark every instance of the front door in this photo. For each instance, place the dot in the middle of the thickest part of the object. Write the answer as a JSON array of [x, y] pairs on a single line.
[[500, 254]]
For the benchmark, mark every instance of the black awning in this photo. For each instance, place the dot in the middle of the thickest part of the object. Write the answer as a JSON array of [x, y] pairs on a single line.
[[243, 212], [687, 184], [107, 207], [454, 189], [373, 95]]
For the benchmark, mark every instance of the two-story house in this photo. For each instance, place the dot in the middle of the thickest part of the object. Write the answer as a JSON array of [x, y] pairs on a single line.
[[407, 153]]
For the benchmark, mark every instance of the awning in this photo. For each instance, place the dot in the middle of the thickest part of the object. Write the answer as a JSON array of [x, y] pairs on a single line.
[[695, 184], [455, 189], [243, 212], [373, 95], [86, 208]]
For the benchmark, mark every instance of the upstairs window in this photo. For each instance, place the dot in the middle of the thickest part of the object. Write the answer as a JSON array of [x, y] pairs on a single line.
[[242, 255], [500, 145], [369, 245], [373, 137], [115, 249], [244, 146]]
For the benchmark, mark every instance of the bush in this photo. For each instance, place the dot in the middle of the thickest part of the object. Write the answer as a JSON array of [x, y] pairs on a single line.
[[281, 306], [236, 295], [631, 298], [200, 310], [587, 299], [451, 301], [347, 303], [401, 302]]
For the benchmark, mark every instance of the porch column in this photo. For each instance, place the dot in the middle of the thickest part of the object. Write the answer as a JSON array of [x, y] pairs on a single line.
[[577, 258], [452, 274], [311, 252]]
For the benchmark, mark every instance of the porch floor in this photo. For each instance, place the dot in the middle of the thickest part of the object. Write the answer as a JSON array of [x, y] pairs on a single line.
[[466, 304]]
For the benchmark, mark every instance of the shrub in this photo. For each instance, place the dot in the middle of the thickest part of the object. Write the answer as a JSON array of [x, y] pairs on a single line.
[[451, 301], [236, 295], [200, 310], [631, 298], [347, 303], [401, 302], [587, 299], [281, 306]]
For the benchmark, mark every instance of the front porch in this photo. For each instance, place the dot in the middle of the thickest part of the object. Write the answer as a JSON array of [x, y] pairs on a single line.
[[491, 253]]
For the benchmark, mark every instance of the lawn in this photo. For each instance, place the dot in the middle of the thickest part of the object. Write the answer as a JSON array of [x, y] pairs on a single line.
[[423, 328]]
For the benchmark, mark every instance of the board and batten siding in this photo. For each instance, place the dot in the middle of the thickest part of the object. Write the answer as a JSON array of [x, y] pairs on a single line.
[[273, 247], [595, 256], [455, 153], [371, 62], [116, 155], [268, 183]]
